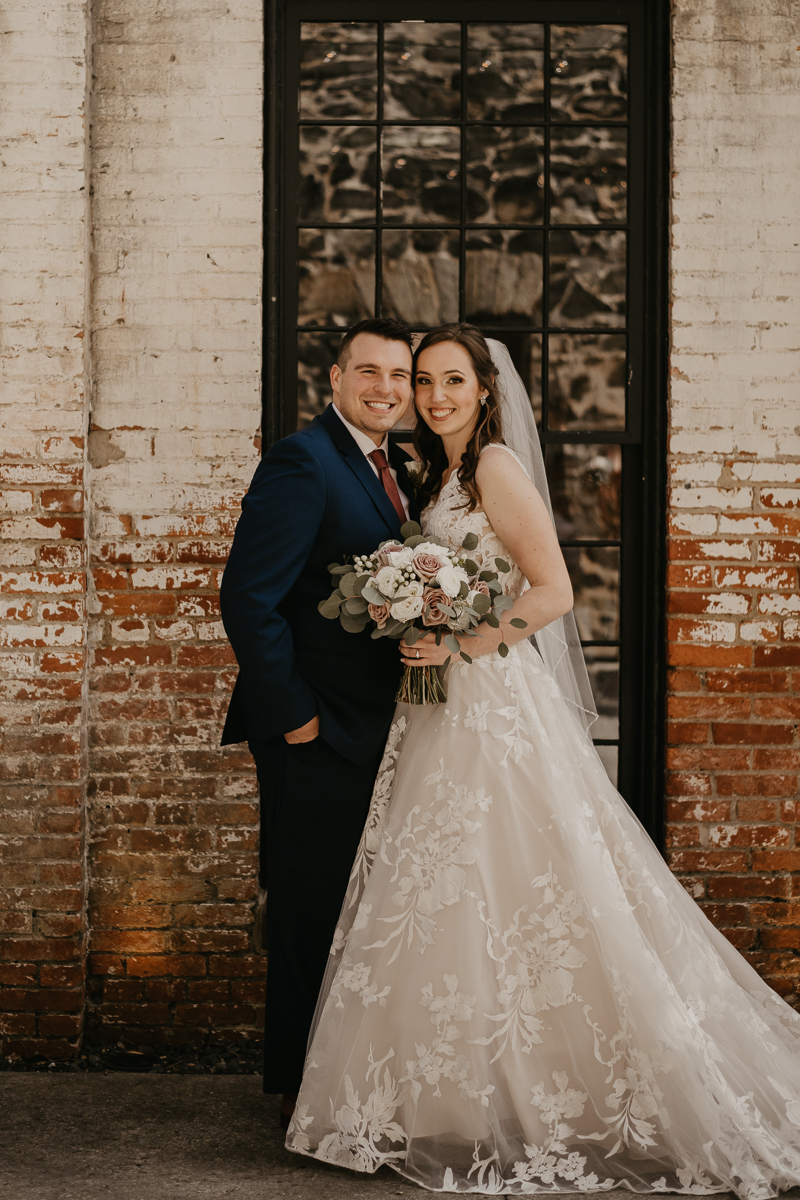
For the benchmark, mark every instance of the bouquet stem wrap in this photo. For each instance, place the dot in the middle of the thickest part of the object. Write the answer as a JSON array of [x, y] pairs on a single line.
[[420, 685]]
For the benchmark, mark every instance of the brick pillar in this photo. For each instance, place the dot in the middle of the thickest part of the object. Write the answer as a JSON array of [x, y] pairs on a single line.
[[42, 500], [176, 160], [734, 629]]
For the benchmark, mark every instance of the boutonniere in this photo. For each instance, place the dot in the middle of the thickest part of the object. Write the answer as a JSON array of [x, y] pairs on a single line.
[[415, 472]]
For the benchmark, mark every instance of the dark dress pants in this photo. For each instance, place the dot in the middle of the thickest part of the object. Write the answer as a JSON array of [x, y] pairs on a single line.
[[314, 804]]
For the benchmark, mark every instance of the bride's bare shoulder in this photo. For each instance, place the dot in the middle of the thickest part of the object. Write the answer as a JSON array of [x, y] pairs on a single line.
[[499, 463]]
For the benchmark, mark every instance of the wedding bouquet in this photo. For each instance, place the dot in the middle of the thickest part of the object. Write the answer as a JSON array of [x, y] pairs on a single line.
[[418, 586]]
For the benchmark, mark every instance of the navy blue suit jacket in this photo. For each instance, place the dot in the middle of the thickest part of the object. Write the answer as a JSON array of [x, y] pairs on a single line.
[[314, 500]]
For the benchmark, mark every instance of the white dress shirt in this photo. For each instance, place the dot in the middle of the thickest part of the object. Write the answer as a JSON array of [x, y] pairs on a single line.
[[366, 446]]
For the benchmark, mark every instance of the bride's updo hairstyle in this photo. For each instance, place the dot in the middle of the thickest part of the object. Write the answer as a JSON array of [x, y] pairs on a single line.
[[488, 427]]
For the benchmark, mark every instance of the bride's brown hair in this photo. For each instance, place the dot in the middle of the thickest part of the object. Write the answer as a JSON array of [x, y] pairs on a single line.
[[488, 427]]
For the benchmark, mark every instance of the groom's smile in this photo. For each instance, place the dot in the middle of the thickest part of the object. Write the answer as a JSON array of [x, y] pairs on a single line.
[[372, 385]]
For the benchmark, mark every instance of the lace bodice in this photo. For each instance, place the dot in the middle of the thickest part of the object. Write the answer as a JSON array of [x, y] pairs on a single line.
[[446, 518]]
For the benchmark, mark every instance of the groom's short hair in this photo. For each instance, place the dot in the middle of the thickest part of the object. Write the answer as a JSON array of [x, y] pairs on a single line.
[[385, 327]]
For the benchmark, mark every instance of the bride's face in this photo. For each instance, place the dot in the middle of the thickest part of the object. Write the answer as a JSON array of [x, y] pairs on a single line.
[[447, 392]]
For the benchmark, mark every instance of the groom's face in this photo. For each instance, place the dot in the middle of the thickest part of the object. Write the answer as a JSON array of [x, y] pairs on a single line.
[[373, 388]]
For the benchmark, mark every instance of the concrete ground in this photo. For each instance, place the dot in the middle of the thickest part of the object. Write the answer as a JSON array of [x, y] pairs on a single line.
[[163, 1137]]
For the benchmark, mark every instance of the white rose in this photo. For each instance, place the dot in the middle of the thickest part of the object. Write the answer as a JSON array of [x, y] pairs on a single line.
[[408, 603], [450, 580], [402, 557], [388, 580]]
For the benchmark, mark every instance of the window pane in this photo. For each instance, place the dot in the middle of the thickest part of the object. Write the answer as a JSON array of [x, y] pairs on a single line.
[[337, 173], [338, 72], [588, 72], [505, 72], [586, 382], [587, 278], [602, 662], [420, 275], [505, 174], [588, 169], [336, 276], [594, 571], [504, 277], [526, 353], [421, 167], [585, 488], [316, 354], [422, 70]]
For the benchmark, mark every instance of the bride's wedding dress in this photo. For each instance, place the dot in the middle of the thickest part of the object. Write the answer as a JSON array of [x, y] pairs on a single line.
[[521, 998]]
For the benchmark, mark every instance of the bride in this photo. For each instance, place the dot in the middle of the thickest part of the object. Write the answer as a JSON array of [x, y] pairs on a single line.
[[520, 996]]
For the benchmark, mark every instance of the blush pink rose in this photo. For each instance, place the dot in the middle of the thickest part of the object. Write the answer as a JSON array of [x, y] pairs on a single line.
[[432, 613], [383, 555], [379, 613], [426, 565], [482, 587]]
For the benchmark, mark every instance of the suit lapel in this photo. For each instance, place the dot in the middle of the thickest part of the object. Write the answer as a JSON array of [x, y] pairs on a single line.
[[358, 464]]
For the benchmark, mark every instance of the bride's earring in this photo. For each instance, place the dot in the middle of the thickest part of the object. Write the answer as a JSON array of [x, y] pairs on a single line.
[[484, 398]]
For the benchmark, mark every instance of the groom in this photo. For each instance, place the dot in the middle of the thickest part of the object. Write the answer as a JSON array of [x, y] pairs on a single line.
[[313, 701]]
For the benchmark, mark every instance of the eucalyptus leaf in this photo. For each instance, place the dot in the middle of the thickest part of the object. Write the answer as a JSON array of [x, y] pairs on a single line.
[[466, 657], [410, 529], [414, 541], [412, 635], [437, 541], [495, 587], [481, 603], [361, 583], [351, 623], [348, 584], [470, 542], [502, 603], [445, 608], [492, 620], [372, 595], [355, 605], [518, 623], [339, 569], [451, 641], [502, 565], [330, 608], [502, 649], [470, 567], [488, 576]]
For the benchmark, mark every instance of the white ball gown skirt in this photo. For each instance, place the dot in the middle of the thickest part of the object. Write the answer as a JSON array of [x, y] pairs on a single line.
[[520, 997]]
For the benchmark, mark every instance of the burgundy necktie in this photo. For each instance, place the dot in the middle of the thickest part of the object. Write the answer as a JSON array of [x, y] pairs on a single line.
[[389, 485]]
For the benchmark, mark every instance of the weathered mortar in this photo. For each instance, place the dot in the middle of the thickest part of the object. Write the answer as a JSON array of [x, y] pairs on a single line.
[[734, 632]]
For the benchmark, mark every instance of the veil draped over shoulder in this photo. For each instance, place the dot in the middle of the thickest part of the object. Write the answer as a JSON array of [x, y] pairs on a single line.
[[558, 643]]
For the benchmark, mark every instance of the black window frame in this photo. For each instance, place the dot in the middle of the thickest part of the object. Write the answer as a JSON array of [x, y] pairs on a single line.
[[643, 542]]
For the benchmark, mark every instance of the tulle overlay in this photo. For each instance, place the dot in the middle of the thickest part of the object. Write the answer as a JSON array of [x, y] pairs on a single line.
[[520, 996]]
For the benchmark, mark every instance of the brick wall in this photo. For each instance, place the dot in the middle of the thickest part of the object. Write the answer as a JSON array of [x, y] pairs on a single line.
[[176, 174], [734, 625], [42, 579]]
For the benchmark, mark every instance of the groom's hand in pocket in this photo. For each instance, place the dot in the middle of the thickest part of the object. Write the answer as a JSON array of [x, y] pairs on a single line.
[[306, 733]]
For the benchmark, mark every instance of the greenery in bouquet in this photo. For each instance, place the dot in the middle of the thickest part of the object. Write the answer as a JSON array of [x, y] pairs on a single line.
[[415, 587]]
